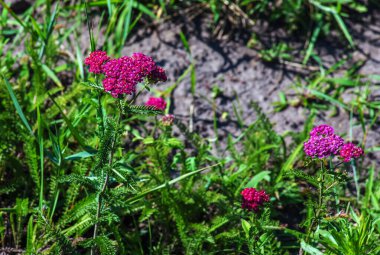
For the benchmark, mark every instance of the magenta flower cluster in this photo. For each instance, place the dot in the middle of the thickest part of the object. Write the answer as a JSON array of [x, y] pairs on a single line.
[[123, 74], [96, 60], [322, 130], [253, 199], [156, 102], [321, 146], [349, 151], [323, 142]]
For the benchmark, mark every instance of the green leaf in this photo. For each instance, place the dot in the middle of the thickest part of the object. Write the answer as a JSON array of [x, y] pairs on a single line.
[[52, 75], [73, 130], [30, 238], [313, 39], [344, 29], [93, 85], [344, 81], [148, 140], [328, 98], [289, 162], [139, 6], [37, 28], [246, 227], [310, 249], [142, 110], [174, 143], [264, 175], [301, 174], [337, 18], [165, 185], [80, 155], [17, 105], [184, 42]]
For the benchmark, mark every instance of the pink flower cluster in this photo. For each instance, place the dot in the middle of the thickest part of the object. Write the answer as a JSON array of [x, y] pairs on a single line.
[[123, 74], [322, 130], [323, 142], [349, 151], [156, 102], [323, 146], [96, 61], [253, 199]]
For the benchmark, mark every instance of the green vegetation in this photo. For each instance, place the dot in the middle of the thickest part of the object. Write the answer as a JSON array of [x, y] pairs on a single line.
[[82, 172]]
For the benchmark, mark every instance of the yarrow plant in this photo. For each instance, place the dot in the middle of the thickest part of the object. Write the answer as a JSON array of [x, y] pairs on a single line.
[[324, 145], [120, 79], [323, 142], [253, 202]]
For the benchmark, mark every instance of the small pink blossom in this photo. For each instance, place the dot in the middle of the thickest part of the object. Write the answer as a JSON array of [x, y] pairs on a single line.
[[143, 64], [156, 102], [118, 87], [253, 199], [167, 120], [350, 151], [324, 130], [96, 61], [157, 75]]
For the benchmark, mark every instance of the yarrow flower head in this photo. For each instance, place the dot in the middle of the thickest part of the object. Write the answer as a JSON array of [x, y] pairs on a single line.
[[156, 102], [96, 61], [323, 142], [323, 146], [350, 151], [253, 199], [167, 120], [123, 74], [323, 130]]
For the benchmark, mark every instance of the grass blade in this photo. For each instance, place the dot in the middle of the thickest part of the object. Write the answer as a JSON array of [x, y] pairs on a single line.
[[17, 105], [52, 75], [328, 98], [89, 27], [73, 130], [289, 162], [313, 39], [41, 149], [184, 176]]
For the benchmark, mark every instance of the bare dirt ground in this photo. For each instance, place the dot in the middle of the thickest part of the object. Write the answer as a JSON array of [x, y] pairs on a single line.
[[243, 77]]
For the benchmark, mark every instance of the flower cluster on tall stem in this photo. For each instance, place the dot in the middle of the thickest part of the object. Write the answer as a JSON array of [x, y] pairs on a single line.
[[121, 77], [323, 143], [123, 74]]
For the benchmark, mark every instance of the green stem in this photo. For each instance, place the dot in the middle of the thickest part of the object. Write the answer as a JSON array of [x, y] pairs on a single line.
[[106, 177], [100, 114], [320, 202]]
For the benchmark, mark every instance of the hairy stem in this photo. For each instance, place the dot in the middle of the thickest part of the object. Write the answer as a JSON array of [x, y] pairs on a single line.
[[112, 152], [319, 208]]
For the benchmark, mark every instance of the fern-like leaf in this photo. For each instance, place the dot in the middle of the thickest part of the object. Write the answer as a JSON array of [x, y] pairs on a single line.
[[142, 110], [105, 245]]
